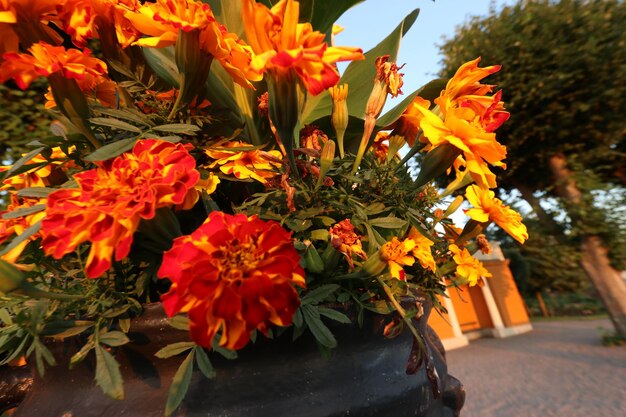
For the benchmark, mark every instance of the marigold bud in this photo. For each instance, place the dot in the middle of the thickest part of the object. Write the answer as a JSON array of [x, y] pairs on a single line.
[[339, 115]]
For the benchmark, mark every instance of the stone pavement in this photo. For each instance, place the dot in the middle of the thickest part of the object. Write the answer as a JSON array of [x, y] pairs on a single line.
[[560, 369]]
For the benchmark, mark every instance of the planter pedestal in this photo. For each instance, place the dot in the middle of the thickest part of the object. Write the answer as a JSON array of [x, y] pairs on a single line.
[[365, 376]]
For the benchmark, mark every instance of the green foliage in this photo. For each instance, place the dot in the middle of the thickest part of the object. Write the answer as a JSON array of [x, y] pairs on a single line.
[[563, 80]]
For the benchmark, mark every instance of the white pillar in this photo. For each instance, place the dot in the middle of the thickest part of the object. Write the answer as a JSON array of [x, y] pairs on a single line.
[[459, 339]]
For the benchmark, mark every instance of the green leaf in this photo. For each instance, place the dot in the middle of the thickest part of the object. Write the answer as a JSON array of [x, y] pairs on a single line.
[[35, 192], [226, 353], [319, 294], [81, 354], [334, 315], [114, 338], [180, 384], [436, 162], [30, 231], [320, 234], [124, 324], [204, 364], [25, 211], [180, 322], [182, 128], [388, 222], [11, 278], [322, 333], [108, 376], [161, 61], [174, 349], [360, 76], [114, 123], [111, 150], [313, 261], [23, 160], [5, 317], [66, 328], [325, 12]]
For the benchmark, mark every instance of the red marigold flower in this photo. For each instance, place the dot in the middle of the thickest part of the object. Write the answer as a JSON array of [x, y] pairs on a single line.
[[233, 275], [111, 200]]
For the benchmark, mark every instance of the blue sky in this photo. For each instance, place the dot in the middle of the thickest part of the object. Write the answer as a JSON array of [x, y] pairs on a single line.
[[369, 22]]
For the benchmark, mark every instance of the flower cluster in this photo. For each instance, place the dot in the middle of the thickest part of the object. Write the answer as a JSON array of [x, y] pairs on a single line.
[[237, 177]]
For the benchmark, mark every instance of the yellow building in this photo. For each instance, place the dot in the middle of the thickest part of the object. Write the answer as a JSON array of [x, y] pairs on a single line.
[[495, 309]]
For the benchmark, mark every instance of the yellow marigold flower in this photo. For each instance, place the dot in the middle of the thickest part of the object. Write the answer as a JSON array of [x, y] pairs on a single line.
[[83, 19], [469, 120], [488, 208], [422, 250], [44, 60], [161, 22], [408, 124], [347, 241], [112, 199], [16, 226], [468, 268], [283, 45], [243, 164], [38, 175], [398, 254]]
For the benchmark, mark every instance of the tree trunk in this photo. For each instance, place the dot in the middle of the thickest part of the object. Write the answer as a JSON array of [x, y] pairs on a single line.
[[542, 304], [546, 220], [594, 257]]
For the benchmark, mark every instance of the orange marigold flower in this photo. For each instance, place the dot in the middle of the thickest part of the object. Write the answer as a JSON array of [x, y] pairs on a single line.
[[45, 59], [39, 175], [161, 22], [408, 124], [422, 250], [380, 147], [398, 254], [243, 164], [285, 46], [483, 244], [488, 208], [469, 120], [233, 274], [347, 241], [112, 199], [469, 269], [83, 19]]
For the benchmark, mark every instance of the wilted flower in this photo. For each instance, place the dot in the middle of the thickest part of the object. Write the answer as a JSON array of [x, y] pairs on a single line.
[[232, 275], [347, 241]]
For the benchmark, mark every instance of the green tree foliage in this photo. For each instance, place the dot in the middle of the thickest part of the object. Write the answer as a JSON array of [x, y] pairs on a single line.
[[564, 82]]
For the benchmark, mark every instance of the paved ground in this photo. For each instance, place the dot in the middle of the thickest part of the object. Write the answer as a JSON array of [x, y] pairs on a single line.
[[560, 369]]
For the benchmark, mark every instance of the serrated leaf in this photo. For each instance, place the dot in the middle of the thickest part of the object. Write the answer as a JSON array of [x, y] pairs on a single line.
[[35, 192], [180, 384], [25, 211], [114, 123], [174, 349], [23, 160], [124, 324], [204, 364], [108, 376], [178, 128], [180, 322], [111, 150], [114, 338], [81, 354], [322, 333], [388, 222], [319, 294], [334, 315]]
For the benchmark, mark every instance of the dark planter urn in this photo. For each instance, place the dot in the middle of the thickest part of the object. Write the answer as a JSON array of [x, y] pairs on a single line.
[[366, 375]]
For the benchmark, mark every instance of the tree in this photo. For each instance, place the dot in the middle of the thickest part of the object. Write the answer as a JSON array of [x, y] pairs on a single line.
[[564, 80]]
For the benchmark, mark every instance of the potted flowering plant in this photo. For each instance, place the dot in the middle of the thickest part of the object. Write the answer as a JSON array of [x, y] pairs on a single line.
[[209, 161]]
